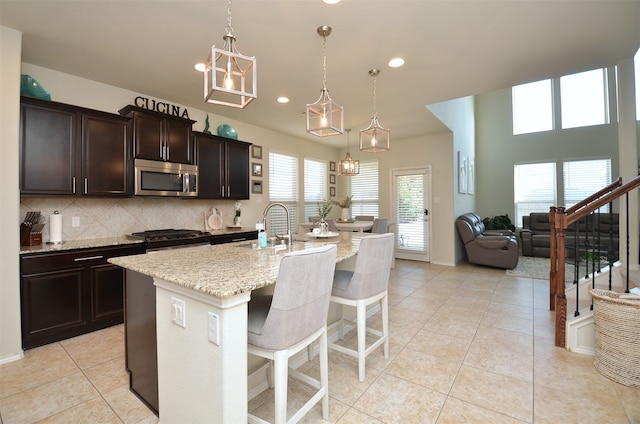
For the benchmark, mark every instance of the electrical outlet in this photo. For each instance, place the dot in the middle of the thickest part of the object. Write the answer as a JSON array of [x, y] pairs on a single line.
[[178, 312], [75, 221], [214, 328]]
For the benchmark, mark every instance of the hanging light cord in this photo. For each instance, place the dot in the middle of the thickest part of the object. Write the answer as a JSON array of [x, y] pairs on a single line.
[[374, 97], [229, 28], [324, 62]]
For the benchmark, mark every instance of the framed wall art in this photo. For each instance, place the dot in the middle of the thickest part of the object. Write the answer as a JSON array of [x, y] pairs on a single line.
[[332, 166], [332, 178], [332, 192], [256, 169], [256, 187], [256, 151]]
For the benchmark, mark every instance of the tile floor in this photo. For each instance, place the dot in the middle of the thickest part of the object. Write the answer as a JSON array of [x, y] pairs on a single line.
[[468, 345]]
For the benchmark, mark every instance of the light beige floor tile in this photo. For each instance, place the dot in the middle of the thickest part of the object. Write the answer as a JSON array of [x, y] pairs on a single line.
[[128, 407], [343, 378], [40, 365], [408, 317], [48, 399], [425, 370], [109, 375], [510, 309], [439, 345], [630, 399], [501, 360], [394, 400], [456, 411], [499, 393], [353, 416], [505, 339], [595, 407], [93, 411], [458, 326], [506, 322], [95, 348]]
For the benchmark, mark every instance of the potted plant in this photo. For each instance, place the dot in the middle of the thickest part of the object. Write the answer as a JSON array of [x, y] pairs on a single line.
[[499, 222], [344, 204], [324, 207]]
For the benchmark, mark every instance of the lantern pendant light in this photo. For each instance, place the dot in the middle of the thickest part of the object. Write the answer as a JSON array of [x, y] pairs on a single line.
[[348, 166], [230, 77], [374, 138], [324, 116]]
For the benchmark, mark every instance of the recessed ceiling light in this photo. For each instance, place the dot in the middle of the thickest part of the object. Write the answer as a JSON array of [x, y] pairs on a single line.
[[199, 67], [330, 1], [396, 62], [283, 99]]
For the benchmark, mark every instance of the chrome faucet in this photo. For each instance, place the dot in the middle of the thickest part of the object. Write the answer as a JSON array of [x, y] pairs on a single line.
[[286, 210]]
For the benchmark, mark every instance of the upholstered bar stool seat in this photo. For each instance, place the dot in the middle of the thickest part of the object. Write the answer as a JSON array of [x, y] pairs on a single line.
[[365, 286], [282, 325]]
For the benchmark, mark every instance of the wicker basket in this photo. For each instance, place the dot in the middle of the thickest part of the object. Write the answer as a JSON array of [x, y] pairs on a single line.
[[617, 326]]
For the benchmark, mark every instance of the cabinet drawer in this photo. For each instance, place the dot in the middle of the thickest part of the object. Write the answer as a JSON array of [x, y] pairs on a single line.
[[48, 261], [230, 238]]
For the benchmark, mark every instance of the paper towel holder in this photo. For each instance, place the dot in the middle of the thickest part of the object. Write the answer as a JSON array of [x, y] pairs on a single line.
[[50, 226]]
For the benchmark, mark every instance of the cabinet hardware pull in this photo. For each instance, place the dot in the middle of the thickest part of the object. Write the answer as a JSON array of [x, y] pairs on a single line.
[[88, 258], [239, 239], [86, 186], [73, 185]]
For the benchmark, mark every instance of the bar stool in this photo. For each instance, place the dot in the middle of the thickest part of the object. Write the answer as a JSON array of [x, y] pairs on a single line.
[[365, 286], [281, 325], [380, 225]]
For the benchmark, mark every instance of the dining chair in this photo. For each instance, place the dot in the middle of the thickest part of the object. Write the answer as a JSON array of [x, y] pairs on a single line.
[[366, 285], [281, 325], [331, 224], [380, 225]]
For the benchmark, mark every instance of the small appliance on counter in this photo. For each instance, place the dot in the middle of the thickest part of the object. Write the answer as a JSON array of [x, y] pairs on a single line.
[[31, 229]]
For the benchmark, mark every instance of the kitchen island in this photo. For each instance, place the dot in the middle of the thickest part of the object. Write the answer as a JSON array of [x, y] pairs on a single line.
[[202, 359]]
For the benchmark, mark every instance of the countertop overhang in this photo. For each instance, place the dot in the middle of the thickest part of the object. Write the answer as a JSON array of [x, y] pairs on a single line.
[[226, 270]]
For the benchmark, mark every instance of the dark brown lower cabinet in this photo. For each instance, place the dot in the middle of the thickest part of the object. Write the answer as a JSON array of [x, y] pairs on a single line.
[[69, 293]]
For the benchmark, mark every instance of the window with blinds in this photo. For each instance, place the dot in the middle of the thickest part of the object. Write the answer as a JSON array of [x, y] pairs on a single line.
[[315, 186], [363, 189], [534, 188], [283, 188], [582, 178]]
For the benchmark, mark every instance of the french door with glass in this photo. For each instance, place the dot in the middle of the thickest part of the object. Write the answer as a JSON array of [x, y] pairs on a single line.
[[411, 194]]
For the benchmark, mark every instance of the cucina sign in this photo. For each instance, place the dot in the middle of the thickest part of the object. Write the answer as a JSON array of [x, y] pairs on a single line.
[[161, 107]]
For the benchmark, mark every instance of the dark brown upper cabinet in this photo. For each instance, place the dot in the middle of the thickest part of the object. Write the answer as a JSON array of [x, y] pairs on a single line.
[[161, 137], [67, 150], [223, 167]]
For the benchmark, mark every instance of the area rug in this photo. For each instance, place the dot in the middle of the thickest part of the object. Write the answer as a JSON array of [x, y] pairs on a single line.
[[538, 268]]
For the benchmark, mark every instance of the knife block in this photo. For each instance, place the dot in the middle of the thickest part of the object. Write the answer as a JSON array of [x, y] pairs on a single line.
[[29, 238]]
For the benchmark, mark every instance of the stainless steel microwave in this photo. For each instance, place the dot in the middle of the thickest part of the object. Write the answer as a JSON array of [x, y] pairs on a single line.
[[155, 178]]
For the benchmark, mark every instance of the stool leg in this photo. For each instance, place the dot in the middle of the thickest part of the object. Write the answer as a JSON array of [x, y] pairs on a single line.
[[341, 326], [361, 323], [324, 373], [385, 324], [280, 360]]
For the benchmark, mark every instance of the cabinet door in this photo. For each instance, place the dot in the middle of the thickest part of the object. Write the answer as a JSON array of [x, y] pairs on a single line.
[[106, 147], [107, 293], [179, 141], [148, 133], [210, 160], [52, 306], [237, 170], [47, 150]]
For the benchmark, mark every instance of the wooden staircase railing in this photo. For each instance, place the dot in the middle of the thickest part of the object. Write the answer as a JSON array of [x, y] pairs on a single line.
[[560, 219]]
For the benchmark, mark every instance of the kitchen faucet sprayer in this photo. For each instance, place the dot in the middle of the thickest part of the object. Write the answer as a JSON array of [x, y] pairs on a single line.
[[286, 210]]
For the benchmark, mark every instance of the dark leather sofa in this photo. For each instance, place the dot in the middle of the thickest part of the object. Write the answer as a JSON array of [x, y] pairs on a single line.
[[593, 230], [496, 248]]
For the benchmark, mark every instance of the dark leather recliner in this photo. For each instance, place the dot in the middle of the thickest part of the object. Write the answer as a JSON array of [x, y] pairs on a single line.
[[496, 248]]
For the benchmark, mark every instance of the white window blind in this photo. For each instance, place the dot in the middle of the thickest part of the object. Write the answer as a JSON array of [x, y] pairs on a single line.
[[363, 189], [583, 99], [315, 186], [534, 188], [532, 107], [584, 178], [283, 188]]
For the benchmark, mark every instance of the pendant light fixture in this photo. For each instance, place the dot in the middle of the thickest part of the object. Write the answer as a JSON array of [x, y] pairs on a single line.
[[324, 116], [348, 166], [230, 77], [374, 138]]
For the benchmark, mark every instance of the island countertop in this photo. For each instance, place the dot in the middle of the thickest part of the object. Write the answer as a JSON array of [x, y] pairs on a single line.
[[226, 270]]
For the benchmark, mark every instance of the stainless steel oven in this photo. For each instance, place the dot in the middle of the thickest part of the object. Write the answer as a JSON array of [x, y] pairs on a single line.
[[155, 178]]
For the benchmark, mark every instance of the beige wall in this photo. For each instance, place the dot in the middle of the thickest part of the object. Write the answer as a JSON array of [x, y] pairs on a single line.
[[10, 339]]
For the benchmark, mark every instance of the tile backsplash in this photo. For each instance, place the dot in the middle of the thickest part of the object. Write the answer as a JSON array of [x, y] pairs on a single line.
[[111, 217]]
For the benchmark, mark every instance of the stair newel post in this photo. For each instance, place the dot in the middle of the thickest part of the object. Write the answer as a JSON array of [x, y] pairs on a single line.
[[553, 257], [561, 298]]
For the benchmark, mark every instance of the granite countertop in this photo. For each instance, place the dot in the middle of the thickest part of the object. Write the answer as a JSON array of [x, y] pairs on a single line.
[[108, 241], [226, 270]]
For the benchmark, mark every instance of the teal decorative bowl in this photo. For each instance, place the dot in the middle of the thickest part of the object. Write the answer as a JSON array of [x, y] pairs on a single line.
[[227, 131]]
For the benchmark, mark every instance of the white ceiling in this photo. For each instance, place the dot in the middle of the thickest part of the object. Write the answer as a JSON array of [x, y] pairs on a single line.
[[452, 48]]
